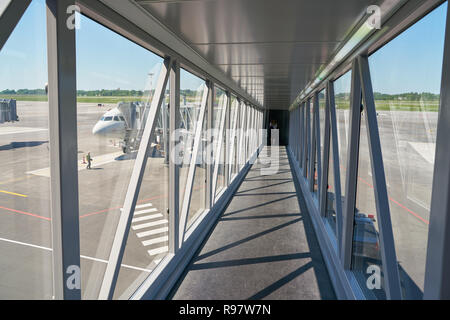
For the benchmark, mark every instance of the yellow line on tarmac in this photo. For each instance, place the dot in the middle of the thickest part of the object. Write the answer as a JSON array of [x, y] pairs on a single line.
[[14, 194]]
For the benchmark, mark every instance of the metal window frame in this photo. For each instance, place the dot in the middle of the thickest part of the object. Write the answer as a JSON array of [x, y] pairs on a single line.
[[10, 18], [226, 165], [209, 152], [387, 244], [306, 172], [218, 151], [233, 137], [303, 138], [437, 282], [298, 135], [336, 162], [318, 152], [174, 166], [437, 278], [63, 147], [243, 119], [123, 227], [313, 143], [184, 212], [326, 156], [352, 168], [63, 135]]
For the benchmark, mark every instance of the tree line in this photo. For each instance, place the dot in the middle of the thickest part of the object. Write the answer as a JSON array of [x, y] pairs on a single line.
[[95, 93], [409, 96]]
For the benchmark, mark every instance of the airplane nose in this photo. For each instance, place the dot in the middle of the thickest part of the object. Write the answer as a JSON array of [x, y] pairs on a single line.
[[98, 129]]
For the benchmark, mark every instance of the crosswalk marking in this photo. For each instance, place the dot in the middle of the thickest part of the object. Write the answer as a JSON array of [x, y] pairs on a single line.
[[149, 224], [156, 251], [150, 217], [145, 205], [156, 226], [155, 241], [152, 232], [136, 213]]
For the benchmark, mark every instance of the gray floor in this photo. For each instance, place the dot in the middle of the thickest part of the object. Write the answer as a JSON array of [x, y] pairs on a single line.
[[262, 247]]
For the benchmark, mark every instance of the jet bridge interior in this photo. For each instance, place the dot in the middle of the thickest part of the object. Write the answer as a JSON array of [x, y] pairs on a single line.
[[338, 110]]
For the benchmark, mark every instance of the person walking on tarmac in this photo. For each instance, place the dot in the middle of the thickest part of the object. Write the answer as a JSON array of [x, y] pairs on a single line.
[[89, 160]]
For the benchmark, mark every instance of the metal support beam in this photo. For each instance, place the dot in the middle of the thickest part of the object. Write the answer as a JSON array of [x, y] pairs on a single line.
[[218, 152], [308, 138], [437, 276], [336, 163], [387, 244], [226, 165], [174, 164], [233, 137], [209, 149], [123, 227], [352, 169], [241, 154], [318, 153], [312, 145], [303, 138], [192, 166], [11, 17], [326, 155], [62, 88]]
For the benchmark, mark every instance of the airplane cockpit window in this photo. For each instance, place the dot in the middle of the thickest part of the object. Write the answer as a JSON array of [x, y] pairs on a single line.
[[107, 118], [122, 119], [116, 118]]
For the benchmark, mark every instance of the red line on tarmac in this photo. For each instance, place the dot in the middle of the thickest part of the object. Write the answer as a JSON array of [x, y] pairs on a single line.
[[85, 215], [140, 201], [398, 203], [26, 213]]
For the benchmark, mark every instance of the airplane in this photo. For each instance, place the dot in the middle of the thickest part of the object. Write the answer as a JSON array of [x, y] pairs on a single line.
[[126, 122]]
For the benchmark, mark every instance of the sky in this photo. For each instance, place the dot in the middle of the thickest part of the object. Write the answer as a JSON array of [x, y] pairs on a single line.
[[106, 60]]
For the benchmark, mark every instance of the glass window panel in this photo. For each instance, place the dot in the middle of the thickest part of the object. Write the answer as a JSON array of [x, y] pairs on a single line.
[[307, 131], [25, 221], [314, 156], [342, 88], [330, 211], [148, 240], [406, 75], [219, 115], [243, 116], [108, 89], [342, 105], [366, 243], [234, 137], [322, 120], [191, 94]]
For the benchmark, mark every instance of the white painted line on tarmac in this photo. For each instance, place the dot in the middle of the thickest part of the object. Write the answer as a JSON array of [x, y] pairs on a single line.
[[145, 211], [155, 241], [97, 161], [149, 224], [152, 232], [17, 130], [154, 252], [150, 217], [81, 256], [140, 206]]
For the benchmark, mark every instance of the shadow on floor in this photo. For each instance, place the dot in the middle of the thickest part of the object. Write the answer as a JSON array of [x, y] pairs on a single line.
[[226, 262]]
